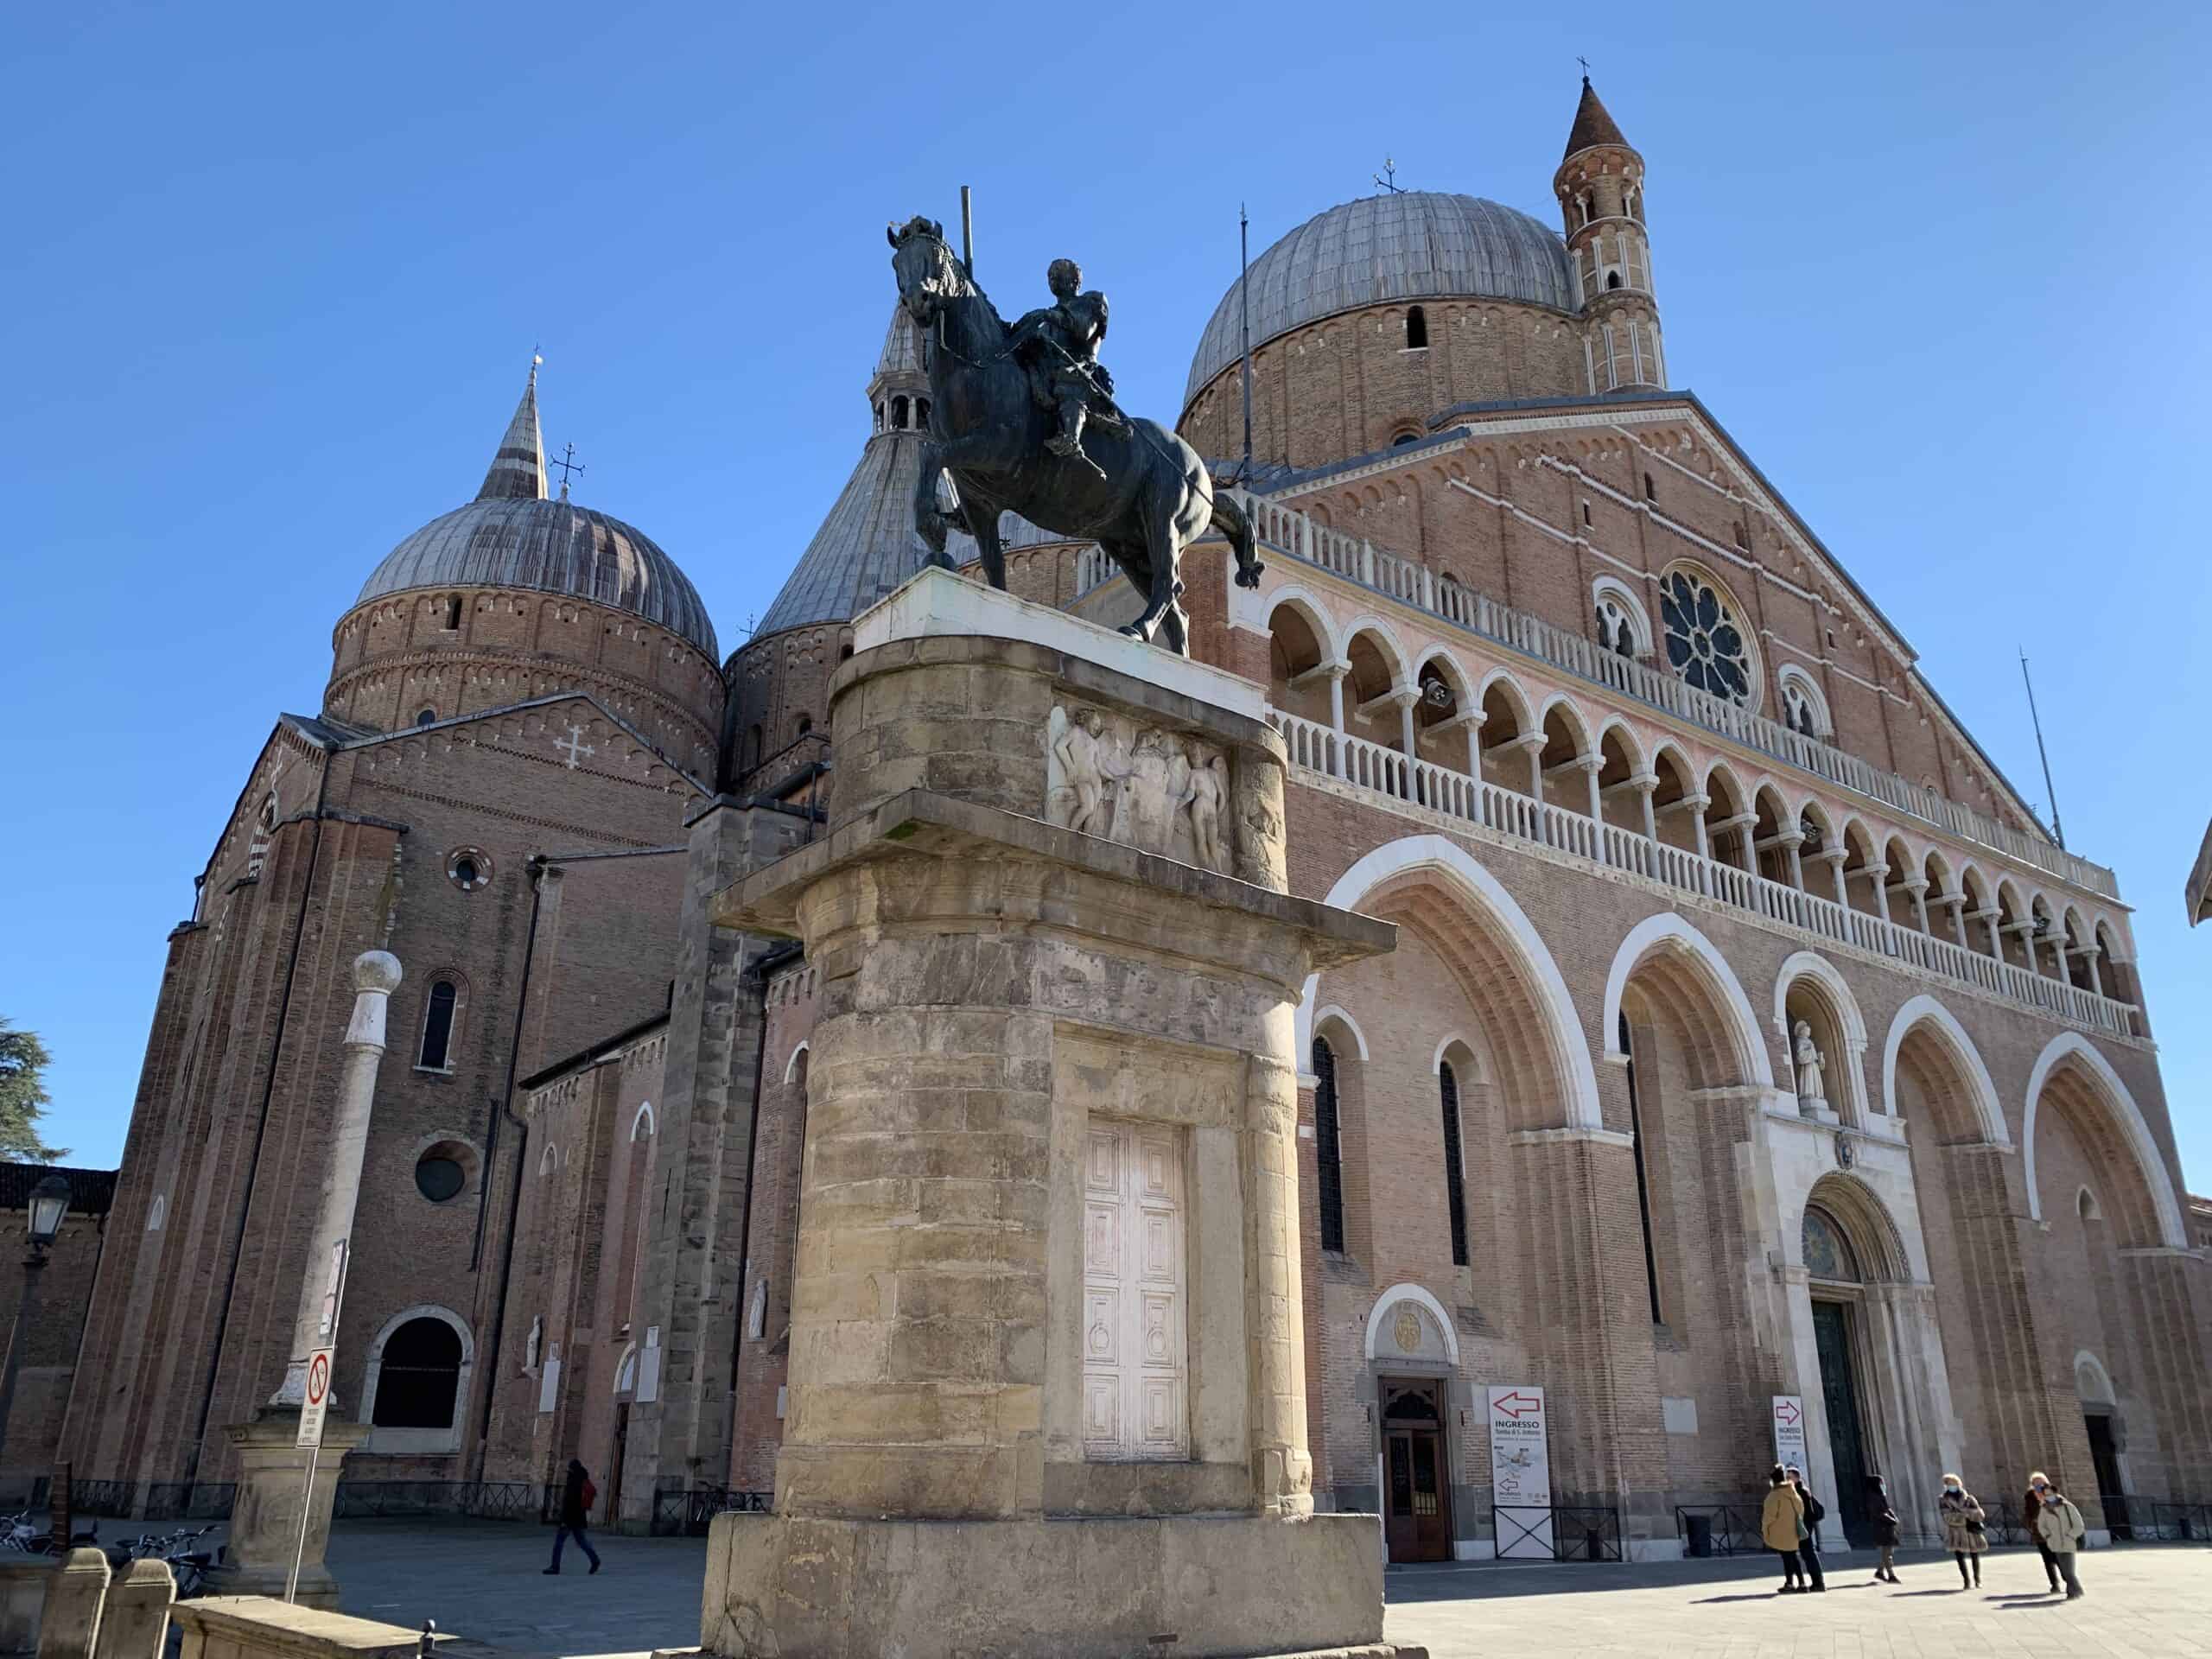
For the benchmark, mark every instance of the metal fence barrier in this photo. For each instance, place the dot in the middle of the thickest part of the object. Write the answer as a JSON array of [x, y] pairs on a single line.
[[480, 1500], [1564, 1532], [190, 1500], [678, 1512], [1708, 1530]]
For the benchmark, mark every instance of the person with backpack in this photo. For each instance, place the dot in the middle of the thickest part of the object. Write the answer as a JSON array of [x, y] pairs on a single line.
[[2059, 1530], [1813, 1512], [578, 1494]]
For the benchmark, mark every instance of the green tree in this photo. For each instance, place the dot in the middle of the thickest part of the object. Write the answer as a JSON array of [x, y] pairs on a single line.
[[23, 1096]]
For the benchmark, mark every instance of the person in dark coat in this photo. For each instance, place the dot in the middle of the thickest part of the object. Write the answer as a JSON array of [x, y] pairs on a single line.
[[577, 1493], [1808, 1531], [2031, 1513], [1882, 1517]]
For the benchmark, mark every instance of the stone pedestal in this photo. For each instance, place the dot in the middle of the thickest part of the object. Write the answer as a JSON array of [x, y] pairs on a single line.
[[1047, 1372], [265, 1521]]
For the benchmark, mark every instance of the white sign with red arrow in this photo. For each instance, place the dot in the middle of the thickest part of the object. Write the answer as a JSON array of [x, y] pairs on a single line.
[[1789, 1429], [1521, 1471]]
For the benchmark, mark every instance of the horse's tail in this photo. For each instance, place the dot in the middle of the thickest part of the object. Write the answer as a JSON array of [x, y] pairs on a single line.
[[1231, 520]]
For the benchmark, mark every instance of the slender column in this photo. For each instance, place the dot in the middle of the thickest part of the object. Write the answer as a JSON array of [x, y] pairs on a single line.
[[1877, 884], [1647, 790], [1406, 696], [1696, 805], [1834, 857], [1534, 742], [1591, 766], [376, 975], [1988, 916], [1792, 842], [1745, 855], [2089, 953], [1337, 673], [1918, 888], [1956, 904]]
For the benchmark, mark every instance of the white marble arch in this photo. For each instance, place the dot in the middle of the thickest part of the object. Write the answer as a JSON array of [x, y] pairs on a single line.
[[1397, 1293], [790, 1067], [1988, 1109], [1322, 1016], [2126, 1117], [1670, 931], [1563, 1032]]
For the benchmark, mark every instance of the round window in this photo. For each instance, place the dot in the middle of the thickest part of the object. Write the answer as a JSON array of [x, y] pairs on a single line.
[[1705, 639], [468, 868], [438, 1177]]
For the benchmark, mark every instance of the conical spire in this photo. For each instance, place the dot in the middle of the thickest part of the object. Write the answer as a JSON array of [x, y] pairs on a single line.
[[517, 471], [1592, 124]]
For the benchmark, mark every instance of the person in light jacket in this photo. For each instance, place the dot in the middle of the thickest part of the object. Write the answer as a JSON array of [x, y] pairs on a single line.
[[1781, 1518], [1965, 1532], [2059, 1530]]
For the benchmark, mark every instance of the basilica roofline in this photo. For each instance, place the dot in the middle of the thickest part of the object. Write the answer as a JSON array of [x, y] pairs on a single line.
[[1473, 421]]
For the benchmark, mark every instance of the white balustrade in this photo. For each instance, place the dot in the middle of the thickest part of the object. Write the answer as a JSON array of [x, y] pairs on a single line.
[[1293, 532], [1386, 772]]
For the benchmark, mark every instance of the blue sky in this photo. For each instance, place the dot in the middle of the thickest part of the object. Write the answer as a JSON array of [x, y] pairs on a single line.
[[275, 272]]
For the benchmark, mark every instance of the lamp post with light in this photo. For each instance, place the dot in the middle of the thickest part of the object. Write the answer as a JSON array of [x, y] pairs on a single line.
[[49, 1204]]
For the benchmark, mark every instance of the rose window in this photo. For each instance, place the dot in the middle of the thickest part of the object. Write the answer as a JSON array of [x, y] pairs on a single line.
[[1704, 641]]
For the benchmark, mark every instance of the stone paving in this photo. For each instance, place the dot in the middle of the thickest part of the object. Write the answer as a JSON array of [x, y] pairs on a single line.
[[485, 1581]]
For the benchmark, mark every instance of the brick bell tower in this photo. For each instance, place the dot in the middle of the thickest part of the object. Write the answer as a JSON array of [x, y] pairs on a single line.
[[1600, 188]]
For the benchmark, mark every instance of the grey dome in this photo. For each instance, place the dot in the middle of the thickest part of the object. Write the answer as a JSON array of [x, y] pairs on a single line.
[[554, 547], [512, 536], [1415, 245]]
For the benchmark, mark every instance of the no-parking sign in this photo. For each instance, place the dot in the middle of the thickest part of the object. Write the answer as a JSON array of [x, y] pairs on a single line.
[[317, 1397]]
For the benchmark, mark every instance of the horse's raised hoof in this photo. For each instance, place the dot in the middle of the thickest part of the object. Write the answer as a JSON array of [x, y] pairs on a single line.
[[1247, 575]]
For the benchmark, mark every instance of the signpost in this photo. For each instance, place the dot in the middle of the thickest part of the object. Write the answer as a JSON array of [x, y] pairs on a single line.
[[314, 1403], [1789, 1429], [1521, 1474]]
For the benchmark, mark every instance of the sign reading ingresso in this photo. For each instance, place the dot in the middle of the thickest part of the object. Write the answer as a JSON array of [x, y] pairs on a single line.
[[1520, 1473], [1789, 1429]]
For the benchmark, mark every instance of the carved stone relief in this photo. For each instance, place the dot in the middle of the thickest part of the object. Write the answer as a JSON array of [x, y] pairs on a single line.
[[1159, 790]]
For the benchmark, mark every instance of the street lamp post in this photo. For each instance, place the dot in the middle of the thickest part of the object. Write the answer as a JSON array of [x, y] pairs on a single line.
[[49, 1204]]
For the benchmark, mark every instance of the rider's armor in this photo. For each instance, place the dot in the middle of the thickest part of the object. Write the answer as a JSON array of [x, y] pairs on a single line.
[[1059, 345]]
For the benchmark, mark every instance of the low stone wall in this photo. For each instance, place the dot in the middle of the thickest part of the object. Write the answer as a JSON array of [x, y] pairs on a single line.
[[261, 1627]]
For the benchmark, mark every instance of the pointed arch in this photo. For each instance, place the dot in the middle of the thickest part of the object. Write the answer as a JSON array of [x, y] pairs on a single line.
[[1669, 930], [2126, 1117], [790, 1067], [1988, 1108], [1333, 1015], [643, 1126], [1561, 1033]]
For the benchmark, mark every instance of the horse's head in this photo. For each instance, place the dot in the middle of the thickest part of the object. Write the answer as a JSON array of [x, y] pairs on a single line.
[[927, 272]]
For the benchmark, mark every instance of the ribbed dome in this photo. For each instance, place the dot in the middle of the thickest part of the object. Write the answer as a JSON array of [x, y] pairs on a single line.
[[1414, 245], [512, 535], [554, 547]]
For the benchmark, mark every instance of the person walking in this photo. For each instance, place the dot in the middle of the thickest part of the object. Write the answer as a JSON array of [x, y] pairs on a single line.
[[577, 1495], [2030, 1517], [1811, 1512], [2059, 1531], [1781, 1520], [1882, 1516], [1965, 1533]]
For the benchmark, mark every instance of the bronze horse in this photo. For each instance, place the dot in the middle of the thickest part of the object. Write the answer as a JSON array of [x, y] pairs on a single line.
[[1145, 500]]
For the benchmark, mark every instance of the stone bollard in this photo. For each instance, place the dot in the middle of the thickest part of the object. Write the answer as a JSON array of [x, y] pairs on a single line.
[[22, 1597], [136, 1622], [70, 1627]]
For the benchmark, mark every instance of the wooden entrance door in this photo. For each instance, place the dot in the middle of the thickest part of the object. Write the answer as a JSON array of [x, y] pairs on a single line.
[[1416, 1482], [613, 1510], [1846, 1436]]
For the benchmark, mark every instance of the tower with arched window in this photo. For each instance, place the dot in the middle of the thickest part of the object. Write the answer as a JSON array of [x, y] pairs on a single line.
[[1600, 189]]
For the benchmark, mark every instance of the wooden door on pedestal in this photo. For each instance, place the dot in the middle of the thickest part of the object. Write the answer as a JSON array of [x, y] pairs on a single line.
[[1416, 1481], [1135, 1385]]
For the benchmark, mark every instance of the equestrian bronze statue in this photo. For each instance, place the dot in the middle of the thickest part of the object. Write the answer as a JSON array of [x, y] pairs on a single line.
[[1023, 420]]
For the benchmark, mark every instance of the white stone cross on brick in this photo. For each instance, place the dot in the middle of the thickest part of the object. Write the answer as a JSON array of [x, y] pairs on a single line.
[[575, 746]]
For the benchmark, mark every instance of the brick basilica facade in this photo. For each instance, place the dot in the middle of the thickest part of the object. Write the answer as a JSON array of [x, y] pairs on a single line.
[[1746, 1035]]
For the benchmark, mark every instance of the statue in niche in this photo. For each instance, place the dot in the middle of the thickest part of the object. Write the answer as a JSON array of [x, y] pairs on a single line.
[[529, 1348], [1209, 791], [1811, 1090]]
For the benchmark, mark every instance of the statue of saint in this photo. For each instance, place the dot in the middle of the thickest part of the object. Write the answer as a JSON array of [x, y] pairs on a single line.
[[1810, 1088], [1059, 346], [529, 1348]]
